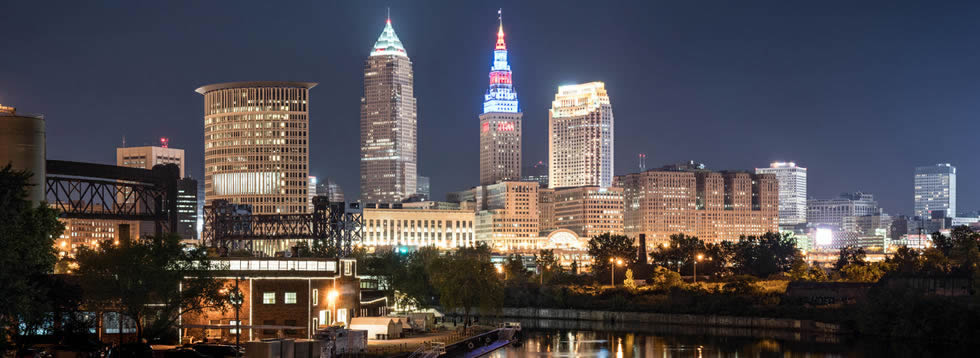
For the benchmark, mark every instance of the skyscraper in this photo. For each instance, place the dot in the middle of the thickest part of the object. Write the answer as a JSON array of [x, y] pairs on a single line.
[[580, 137], [792, 191], [935, 189], [256, 145], [388, 123], [500, 123]]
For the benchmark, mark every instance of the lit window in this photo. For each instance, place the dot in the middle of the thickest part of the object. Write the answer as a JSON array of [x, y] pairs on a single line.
[[269, 298], [290, 298], [316, 296]]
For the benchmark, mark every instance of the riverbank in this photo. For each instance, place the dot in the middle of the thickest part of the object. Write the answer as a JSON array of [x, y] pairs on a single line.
[[795, 325]]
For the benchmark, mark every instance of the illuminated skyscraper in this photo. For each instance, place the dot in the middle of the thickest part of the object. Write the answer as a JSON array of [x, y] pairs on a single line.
[[935, 189], [388, 123], [500, 123], [580, 137], [256, 142], [792, 191]]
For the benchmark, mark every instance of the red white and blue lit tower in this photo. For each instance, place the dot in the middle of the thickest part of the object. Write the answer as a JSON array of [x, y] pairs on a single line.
[[500, 123]]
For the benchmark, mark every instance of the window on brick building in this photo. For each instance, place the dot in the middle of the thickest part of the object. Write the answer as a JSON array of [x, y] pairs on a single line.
[[269, 322], [290, 322], [316, 297], [269, 298], [290, 298]]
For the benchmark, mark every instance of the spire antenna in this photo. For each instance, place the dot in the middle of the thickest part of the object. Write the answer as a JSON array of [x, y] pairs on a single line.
[[500, 16], [389, 14]]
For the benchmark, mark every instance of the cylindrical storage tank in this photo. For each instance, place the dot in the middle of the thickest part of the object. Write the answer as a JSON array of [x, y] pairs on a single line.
[[22, 146]]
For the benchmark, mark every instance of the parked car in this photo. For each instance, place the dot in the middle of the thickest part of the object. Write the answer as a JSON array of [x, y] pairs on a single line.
[[183, 353], [219, 350]]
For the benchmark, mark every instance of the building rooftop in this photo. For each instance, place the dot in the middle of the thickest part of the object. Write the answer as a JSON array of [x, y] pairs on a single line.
[[251, 84]]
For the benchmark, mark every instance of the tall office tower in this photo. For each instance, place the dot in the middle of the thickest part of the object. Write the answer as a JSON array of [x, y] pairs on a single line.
[[500, 123], [580, 137], [537, 172], [147, 156], [792, 191], [834, 212], [388, 123], [256, 145], [714, 206], [310, 192], [187, 208], [935, 189], [331, 190], [423, 188]]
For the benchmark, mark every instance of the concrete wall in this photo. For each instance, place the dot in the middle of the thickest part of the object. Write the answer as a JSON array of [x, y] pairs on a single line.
[[677, 319]]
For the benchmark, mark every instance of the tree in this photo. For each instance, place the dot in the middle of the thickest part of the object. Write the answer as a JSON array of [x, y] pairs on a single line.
[[764, 255], [385, 265], [27, 255], [801, 271], [943, 243], [965, 253], [515, 270], [849, 255], [864, 272], [606, 246], [150, 281], [628, 281], [414, 281], [906, 260], [548, 264], [467, 280], [663, 278], [679, 253]]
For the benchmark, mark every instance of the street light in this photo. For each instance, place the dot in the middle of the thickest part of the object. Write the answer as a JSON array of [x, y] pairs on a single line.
[[331, 299], [612, 269], [698, 258]]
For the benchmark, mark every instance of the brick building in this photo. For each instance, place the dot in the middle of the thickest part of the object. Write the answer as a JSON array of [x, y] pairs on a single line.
[[714, 206], [283, 297]]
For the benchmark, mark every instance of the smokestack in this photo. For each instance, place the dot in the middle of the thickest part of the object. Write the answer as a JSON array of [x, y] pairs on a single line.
[[642, 250]]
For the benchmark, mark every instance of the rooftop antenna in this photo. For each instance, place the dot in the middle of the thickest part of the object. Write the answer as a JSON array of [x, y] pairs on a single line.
[[389, 14], [500, 16], [643, 162], [124, 141]]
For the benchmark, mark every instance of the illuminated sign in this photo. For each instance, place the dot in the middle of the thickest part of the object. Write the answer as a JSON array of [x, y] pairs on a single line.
[[505, 126], [485, 127]]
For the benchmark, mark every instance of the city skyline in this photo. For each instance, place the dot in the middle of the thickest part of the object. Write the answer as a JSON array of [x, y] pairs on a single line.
[[440, 117]]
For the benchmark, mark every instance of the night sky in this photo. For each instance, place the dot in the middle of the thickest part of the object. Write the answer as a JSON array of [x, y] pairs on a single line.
[[859, 92]]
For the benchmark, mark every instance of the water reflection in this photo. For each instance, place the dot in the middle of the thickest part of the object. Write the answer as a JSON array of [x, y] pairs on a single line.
[[648, 341]]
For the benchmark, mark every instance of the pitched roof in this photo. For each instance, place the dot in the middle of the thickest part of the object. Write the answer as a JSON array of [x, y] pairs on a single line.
[[388, 43]]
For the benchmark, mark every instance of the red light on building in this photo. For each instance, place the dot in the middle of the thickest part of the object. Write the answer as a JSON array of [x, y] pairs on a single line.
[[505, 126], [497, 78], [164, 141], [485, 128]]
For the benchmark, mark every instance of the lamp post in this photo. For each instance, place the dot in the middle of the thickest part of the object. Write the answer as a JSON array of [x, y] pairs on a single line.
[[237, 300], [613, 261], [331, 299], [696, 259]]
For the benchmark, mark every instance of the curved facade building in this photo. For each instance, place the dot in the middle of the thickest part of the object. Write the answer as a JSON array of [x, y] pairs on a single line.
[[256, 144], [22, 145]]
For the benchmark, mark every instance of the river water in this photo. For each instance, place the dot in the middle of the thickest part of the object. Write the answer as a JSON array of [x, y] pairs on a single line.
[[559, 338]]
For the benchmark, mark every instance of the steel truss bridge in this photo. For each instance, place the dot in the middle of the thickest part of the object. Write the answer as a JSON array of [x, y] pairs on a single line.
[[108, 192], [229, 227]]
